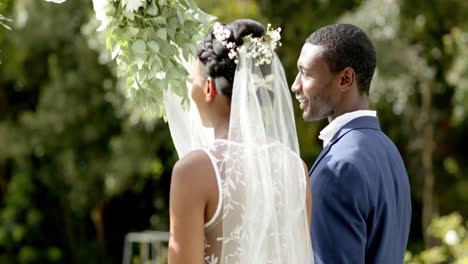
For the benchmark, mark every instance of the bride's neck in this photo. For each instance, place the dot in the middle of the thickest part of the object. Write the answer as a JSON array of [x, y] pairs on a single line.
[[221, 128]]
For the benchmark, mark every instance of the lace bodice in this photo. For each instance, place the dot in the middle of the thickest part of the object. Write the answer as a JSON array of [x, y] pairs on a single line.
[[229, 162], [213, 228]]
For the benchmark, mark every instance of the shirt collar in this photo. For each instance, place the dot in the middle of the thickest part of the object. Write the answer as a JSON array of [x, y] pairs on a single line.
[[331, 129]]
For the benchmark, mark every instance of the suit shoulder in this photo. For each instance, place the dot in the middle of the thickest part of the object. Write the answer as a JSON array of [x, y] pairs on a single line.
[[363, 142]]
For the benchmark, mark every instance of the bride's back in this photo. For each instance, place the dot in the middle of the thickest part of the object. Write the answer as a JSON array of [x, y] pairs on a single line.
[[246, 228]]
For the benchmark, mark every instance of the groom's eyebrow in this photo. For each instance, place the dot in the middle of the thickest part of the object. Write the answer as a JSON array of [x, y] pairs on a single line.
[[301, 66]]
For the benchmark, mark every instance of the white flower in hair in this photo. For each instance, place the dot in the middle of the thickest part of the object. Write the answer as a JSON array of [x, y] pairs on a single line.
[[230, 45], [220, 33], [261, 49], [274, 34], [232, 54]]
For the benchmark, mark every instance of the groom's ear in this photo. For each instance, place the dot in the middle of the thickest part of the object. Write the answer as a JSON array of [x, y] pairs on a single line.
[[347, 79], [210, 89]]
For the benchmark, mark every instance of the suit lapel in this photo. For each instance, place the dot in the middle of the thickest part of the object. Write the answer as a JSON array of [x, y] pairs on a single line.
[[358, 123], [319, 158]]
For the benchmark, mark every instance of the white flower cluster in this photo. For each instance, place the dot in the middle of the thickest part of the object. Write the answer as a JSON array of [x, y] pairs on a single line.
[[261, 49], [222, 34]]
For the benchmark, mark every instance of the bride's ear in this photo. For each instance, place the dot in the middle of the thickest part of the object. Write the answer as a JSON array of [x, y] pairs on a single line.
[[210, 89]]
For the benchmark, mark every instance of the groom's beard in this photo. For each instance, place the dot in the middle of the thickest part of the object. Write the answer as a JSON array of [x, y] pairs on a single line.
[[313, 118], [317, 109]]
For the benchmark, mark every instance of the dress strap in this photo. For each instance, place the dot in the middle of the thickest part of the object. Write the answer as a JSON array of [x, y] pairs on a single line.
[[220, 194]]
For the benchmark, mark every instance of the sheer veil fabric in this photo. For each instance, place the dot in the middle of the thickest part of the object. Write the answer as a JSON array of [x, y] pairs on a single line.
[[185, 125], [263, 180]]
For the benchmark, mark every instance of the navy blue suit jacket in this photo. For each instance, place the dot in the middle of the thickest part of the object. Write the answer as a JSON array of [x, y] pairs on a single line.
[[361, 206]]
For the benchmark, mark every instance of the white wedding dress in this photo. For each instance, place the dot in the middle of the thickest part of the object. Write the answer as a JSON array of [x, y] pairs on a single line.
[[261, 215]]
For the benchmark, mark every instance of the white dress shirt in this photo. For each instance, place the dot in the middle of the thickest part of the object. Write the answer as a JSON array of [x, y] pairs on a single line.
[[329, 131]]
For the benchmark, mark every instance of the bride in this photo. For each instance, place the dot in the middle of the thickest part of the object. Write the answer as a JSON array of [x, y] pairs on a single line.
[[244, 197]]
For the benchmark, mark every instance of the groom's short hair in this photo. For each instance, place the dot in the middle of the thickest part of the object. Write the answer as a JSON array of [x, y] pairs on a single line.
[[347, 45]]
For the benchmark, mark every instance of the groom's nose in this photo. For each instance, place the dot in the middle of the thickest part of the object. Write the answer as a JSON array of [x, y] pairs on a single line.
[[296, 86]]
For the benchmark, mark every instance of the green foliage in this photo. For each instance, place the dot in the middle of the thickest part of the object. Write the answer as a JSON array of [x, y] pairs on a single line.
[[3, 23], [18, 218], [150, 45], [71, 150], [381, 20], [227, 10], [456, 44], [452, 233]]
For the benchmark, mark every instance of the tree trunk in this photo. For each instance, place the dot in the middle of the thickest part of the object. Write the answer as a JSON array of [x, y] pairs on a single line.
[[97, 216], [428, 170]]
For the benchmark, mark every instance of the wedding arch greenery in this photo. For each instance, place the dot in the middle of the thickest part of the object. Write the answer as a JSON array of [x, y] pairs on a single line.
[[150, 42]]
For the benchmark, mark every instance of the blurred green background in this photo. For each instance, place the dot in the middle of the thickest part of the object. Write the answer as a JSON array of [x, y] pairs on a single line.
[[80, 167]]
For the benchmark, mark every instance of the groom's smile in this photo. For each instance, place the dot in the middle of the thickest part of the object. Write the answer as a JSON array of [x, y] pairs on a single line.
[[303, 102]]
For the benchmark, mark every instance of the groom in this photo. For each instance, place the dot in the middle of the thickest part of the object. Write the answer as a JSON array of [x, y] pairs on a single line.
[[360, 190]]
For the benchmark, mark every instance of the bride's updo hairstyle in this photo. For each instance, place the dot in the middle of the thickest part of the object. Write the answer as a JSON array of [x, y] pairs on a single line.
[[214, 55]]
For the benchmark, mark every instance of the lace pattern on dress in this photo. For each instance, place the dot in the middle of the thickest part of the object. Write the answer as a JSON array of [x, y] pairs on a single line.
[[229, 161]]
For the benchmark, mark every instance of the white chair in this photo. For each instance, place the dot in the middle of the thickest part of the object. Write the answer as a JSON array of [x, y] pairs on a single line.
[[152, 247]]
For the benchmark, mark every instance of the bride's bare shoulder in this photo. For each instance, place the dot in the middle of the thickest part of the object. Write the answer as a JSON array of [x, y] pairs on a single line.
[[196, 165], [193, 179]]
